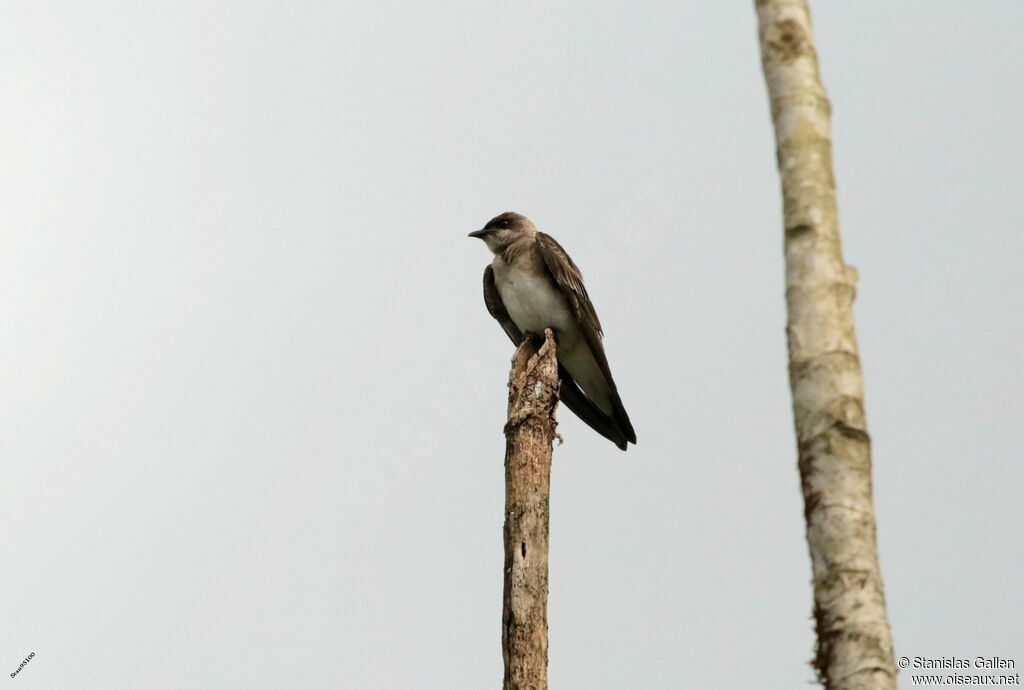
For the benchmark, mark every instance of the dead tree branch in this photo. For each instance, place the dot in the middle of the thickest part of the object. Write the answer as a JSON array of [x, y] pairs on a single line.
[[532, 398], [854, 650]]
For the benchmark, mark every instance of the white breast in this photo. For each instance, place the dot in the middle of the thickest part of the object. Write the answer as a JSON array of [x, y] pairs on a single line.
[[533, 302]]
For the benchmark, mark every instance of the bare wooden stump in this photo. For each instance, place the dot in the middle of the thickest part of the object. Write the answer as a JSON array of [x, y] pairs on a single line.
[[532, 398]]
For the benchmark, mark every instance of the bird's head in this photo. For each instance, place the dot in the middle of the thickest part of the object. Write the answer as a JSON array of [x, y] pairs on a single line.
[[503, 230]]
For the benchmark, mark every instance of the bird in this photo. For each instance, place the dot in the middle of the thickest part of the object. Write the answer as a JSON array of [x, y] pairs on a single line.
[[532, 285]]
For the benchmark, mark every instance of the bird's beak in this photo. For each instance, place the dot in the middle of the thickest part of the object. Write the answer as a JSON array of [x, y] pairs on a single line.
[[479, 233]]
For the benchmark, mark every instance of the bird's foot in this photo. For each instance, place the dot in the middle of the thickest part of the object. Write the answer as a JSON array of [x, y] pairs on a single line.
[[539, 337]]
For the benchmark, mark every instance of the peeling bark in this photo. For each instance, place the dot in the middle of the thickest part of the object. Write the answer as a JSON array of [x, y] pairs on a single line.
[[532, 398], [854, 650]]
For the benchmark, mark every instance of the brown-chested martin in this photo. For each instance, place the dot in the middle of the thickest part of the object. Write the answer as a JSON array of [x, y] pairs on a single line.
[[532, 285]]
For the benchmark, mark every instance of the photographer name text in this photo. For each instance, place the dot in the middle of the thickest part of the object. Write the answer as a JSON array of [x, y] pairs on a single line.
[[956, 662]]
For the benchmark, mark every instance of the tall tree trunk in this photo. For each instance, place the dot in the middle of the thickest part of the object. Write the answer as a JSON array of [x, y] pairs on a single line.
[[532, 398], [854, 650]]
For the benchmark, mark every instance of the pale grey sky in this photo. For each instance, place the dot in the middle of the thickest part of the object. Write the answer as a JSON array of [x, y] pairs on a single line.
[[251, 401]]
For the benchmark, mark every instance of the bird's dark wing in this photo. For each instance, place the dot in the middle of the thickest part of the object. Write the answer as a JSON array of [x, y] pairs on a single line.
[[569, 392], [496, 308], [570, 282]]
